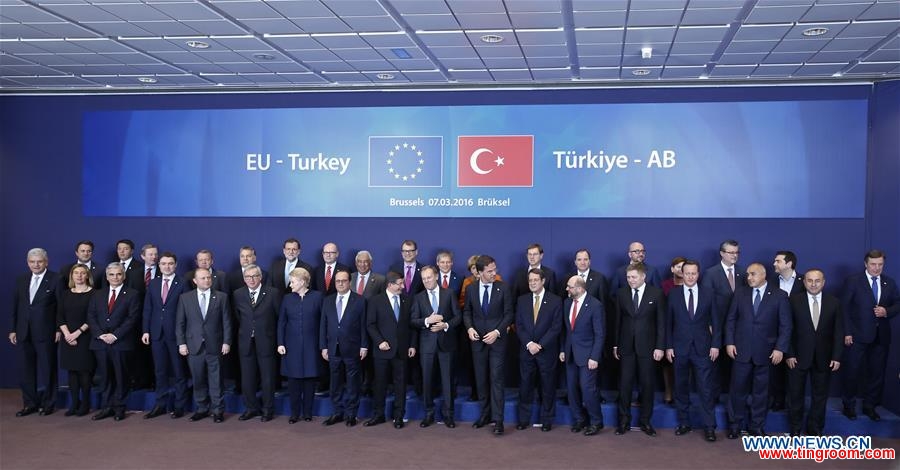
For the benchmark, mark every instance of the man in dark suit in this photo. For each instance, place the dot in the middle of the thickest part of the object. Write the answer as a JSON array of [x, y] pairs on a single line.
[[344, 344], [393, 341], [693, 339], [134, 274], [203, 329], [323, 276], [487, 314], [34, 332], [446, 277], [410, 268], [256, 309], [638, 342], [113, 316], [365, 282], [785, 276], [869, 300], [584, 332], [637, 254], [141, 366], [757, 333], [535, 255], [597, 287], [817, 343], [436, 315], [235, 279], [722, 279], [84, 252], [158, 327], [204, 259], [282, 267], [539, 322]]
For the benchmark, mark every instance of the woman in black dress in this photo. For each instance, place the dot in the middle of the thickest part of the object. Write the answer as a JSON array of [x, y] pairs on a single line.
[[74, 353]]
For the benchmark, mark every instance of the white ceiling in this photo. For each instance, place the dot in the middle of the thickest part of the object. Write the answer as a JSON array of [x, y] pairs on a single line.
[[122, 44]]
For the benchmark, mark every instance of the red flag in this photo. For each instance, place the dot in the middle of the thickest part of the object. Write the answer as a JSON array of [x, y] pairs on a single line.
[[495, 160]]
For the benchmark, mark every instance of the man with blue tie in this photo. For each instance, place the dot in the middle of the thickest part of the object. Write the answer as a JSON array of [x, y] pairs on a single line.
[[870, 299], [693, 339], [583, 334], [487, 314], [282, 267], [757, 333], [160, 305]]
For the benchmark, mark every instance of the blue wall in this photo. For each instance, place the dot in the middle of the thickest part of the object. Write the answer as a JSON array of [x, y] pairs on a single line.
[[41, 192]]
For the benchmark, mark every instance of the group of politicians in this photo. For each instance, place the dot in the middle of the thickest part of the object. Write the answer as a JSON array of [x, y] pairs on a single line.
[[758, 334]]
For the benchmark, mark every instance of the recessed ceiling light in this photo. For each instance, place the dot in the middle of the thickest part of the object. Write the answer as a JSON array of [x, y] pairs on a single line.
[[703, 77], [385, 76], [146, 79], [812, 32], [197, 44], [646, 52], [492, 38], [640, 72], [263, 56], [837, 75]]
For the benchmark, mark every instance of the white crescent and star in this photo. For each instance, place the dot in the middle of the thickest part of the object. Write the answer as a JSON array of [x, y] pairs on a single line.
[[473, 161]]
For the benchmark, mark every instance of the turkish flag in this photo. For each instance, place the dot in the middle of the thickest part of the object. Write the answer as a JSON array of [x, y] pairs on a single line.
[[495, 160]]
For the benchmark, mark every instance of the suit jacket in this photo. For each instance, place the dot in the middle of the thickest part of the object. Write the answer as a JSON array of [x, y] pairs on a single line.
[[797, 288], [756, 336], [500, 312], [857, 303], [98, 275], [234, 280], [121, 321], [346, 337], [596, 285], [546, 330], [716, 280], [619, 281], [375, 284], [318, 278], [585, 340], [454, 283], [520, 281], [442, 341], [276, 279], [260, 320], [35, 320], [416, 286], [193, 330], [816, 347], [702, 332], [134, 275], [382, 326], [159, 316], [640, 332], [219, 278]]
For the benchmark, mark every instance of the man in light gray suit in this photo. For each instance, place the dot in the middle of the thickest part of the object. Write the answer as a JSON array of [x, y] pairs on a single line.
[[203, 332]]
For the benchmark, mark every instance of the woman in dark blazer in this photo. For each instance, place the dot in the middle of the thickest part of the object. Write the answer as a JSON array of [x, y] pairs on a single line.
[[298, 343], [74, 354]]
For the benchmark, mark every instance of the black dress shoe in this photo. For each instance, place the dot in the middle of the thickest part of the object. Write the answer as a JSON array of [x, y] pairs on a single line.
[[733, 434], [578, 427], [218, 418], [546, 427], [178, 413], [648, 430], [450, 423], [849, 412], [398, 423], [199, 415], [47, 411], [266, 417], [71, 412], [248, 415], [621, 429], [120, 415], [103, 414], [710, 435], [682, 430], [82, 412], [498, 429], [375, 420], [872, 414], [307, 418], [293, 419], [592, 429], [522, 426], [757, 432], [480, 422], [26, 411], [156, 411], [333, 419], [351, 422]]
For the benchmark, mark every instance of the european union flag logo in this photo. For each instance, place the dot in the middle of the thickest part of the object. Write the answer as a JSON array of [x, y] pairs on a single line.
[[406, 161]]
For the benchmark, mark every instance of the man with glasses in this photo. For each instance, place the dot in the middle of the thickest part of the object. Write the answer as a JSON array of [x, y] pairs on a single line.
[[584, 331], [637, 254], [323, 277], [410, 268]]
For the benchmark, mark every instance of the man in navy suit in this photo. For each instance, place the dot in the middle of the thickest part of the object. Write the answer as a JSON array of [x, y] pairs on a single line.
[[446, 277], [410, 268], [204, 259], [235, 279], [583, 333], [539, 322], [786, 277], [256, 309], [535, 256], [436, 315], [722, 280], [281, 269], [113, 316], [817, 343], [393, 341], [160, 305], [870, 299], [323, 275], [203, 333], [639, 342], [84, 252], [364, 281], [757, 333], [693, 339], [134, 273], [344, 344], [34, 332], [637, 254], [487, 314]]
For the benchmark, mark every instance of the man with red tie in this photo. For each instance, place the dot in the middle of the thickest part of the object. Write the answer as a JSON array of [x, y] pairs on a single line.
[[583, 334]]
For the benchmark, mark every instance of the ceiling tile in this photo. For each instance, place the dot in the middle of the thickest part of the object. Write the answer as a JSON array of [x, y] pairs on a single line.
[[322, 25], [536, 20], [592, 19], [483, 21], [431, 22]]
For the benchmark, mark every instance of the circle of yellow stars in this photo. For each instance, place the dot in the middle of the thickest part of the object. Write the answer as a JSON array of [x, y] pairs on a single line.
[[395, 153]]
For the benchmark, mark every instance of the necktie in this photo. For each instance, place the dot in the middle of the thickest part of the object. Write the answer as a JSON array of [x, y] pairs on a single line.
[[35, 282], [288, 267], [574, 313], [147, 277], [636, 301], [165, 290], [731, 278], [328, 278], [446, 282], [203, 304], [583, 276], [875, 288], [815, 312], [691, 303], [537, 306], [756, 301], [397, 308], [112, 301], [407, 281], [485, 300], [252, 299], [362, 284], [340, 307], [434, 303]]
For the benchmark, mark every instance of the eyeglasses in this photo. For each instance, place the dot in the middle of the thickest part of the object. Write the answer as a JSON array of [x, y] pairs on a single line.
[[252, 276], [638, 251], [341, 281], [329, 252], [407, 251], [570, 287]]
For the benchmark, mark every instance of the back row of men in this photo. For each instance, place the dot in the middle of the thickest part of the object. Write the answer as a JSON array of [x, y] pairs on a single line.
[[759, 319]]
